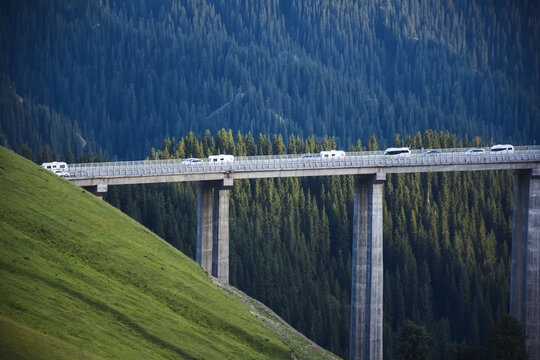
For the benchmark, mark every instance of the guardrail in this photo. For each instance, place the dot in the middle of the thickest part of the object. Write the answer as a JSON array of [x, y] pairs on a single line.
[[296, 161]]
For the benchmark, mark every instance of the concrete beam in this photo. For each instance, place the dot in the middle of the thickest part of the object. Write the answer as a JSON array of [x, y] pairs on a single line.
[[99, 190], [220, 224], [147, 179], [204, 226], [367, 170], [366, 333], [525, 269], [295, 172]]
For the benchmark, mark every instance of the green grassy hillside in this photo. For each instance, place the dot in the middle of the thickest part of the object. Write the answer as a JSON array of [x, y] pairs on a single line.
[[81, 280]]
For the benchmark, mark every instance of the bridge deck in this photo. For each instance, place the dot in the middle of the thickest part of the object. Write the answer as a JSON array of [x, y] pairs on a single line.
[[354, 163]]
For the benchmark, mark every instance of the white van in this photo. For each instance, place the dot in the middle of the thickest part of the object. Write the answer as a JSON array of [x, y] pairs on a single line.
[[192, 161], [475, 151], [502, 149], [60, 168], [332, 154], [401, 151], [220, 158]]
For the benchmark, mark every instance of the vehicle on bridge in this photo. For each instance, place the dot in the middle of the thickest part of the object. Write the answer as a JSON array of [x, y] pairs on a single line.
[[192, 161], [332, 154], [502, 149], [60, 168], [475, 151], [220, 158], [398, 151]]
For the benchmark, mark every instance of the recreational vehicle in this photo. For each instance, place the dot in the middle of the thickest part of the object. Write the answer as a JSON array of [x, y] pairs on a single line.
[[332, 154], [220, 158], [60, 168]]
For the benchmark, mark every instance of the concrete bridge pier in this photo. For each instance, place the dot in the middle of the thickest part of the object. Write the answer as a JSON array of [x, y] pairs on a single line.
[[366, 333], [204, 225], [525, 271], [213, 227], [220, 245]]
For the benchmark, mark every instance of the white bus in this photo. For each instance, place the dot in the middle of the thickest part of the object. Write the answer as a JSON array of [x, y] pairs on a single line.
[[401, 151], [220, 158], [332, 154], [502, 149], [60, 168]]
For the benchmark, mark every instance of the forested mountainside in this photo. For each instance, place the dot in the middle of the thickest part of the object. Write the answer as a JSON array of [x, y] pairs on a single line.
[[128, 74], [446, 240], [34, 128]]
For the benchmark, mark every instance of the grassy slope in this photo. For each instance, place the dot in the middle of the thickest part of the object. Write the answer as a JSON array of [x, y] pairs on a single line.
[[80, 280]]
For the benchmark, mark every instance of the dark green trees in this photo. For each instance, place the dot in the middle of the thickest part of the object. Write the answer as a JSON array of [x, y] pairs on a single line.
[[505, 340], [35, 131], [413, 342]]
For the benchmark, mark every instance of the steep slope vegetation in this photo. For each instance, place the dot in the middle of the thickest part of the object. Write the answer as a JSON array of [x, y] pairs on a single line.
[[80, 280]]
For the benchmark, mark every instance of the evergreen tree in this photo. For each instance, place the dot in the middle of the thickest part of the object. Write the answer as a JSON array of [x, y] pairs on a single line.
[[25, 151], [506, 340], [413, 342]]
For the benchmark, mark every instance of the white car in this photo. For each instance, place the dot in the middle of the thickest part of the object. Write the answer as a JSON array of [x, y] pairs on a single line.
[[475, 151], [192, 161], [61, 173]]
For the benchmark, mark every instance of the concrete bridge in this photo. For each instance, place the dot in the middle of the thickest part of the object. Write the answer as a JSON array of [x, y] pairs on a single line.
[[369, 170]]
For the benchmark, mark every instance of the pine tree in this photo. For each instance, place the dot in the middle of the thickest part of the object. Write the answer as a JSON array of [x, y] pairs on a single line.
[[506, 340], [413, 342]]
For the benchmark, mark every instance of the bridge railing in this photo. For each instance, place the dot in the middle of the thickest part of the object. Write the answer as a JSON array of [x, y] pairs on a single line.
[[300, 161]]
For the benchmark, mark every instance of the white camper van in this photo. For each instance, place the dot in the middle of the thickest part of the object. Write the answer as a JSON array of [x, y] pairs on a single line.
[[332, 154], [502, 149], [220, 158], [60, 168]]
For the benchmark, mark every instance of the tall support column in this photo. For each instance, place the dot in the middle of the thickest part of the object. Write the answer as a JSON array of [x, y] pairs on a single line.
[[525, 271], [220, 253], [204, 225], [366, 334]]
